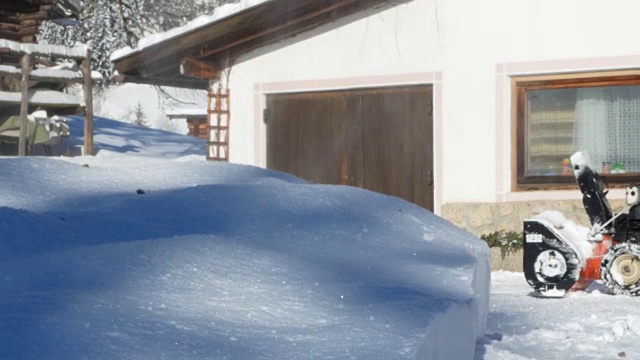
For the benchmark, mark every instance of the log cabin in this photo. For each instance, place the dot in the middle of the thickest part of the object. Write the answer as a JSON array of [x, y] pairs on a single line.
[[30, 78], [196, 120], [21, 19]]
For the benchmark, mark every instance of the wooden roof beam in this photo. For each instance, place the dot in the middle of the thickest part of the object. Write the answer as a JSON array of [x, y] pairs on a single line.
[[278, 33], [194, 68], [206, 51], [170, 67]]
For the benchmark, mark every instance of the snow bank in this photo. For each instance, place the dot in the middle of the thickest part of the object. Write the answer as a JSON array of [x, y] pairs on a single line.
[[120, 103], [450, 336], [127, 256]]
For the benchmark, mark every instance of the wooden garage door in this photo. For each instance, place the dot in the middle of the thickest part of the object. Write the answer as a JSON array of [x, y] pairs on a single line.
[[379, 139]]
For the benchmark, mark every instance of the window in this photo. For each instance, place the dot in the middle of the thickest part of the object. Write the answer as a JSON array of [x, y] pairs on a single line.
[[557, 116]]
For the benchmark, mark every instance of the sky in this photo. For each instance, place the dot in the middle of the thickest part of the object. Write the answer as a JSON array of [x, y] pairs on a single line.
[[148, 251]]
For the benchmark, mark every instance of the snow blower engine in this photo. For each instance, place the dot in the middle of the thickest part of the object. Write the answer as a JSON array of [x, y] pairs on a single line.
[[555, 262]]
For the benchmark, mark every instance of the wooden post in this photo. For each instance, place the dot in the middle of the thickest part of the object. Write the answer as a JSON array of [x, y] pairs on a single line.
[[85, 67], [24, 105]]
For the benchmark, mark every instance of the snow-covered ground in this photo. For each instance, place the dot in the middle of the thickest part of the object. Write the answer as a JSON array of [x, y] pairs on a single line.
[[221, 261], [584, 325], [120, 102], [147, 251]]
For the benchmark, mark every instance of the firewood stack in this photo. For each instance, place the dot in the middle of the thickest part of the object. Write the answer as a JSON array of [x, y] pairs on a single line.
[[20, 19]]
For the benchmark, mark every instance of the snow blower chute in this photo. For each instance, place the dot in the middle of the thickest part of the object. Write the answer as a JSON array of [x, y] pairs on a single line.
[[555, 264]]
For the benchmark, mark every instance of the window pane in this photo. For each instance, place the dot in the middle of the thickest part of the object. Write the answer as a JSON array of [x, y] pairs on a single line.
[[603, 121], [550, 118]]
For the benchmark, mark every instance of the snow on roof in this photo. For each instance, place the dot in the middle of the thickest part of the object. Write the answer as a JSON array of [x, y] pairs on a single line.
[[177, 112], [42, 97], [220, 13], [77, 52], [9, 70], [64, 74], [65, 71]]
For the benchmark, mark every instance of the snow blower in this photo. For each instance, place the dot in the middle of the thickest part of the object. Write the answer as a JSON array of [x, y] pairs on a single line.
[[556, 262]]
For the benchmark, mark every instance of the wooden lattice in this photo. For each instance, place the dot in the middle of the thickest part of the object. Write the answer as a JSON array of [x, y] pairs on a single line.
[[218, 125]]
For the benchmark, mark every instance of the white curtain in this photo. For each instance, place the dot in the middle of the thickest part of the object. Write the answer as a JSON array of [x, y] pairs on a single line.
[[607, 125]]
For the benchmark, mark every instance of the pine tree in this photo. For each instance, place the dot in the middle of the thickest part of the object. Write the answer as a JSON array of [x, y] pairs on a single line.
[[107, 25], [54, 33], [132, 25], [139, 115], [145, 17], [102, 27]]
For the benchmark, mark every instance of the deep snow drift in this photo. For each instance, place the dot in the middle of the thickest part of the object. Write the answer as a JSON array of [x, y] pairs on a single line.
[[158, 254]]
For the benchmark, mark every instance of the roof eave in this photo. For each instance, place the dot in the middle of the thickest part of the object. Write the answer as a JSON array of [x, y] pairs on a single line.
[[223, 41]]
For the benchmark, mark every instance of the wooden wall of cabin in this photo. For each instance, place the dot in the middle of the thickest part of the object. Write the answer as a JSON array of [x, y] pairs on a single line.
[[20, 19], [197, 127]]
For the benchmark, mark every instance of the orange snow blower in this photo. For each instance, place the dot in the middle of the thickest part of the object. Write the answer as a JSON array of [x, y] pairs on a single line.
[[556, 261]]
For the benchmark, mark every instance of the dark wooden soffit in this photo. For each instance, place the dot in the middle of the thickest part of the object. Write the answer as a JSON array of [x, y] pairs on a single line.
[[221, 42]]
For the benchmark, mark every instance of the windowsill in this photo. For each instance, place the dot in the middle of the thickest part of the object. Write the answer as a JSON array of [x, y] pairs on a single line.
[[568, 182], [547, 195]]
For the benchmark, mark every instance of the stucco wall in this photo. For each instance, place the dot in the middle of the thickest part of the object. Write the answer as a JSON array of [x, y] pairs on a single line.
[[365, 49], [469, 50]]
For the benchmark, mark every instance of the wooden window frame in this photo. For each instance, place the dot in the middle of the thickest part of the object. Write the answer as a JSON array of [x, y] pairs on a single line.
[[520, 86]]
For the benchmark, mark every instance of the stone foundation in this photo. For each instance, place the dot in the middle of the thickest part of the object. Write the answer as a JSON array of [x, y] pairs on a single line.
[[509, 262], [486, 218]]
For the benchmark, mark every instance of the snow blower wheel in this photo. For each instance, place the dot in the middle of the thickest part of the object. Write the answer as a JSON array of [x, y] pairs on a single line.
[[550, 265], [620, 269]]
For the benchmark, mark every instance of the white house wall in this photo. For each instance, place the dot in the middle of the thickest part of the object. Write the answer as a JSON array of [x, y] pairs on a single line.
[[467, 49], [375, 50]]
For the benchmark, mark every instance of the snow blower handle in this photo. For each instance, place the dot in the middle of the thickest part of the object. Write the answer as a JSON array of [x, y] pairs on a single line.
[[594, 196], [599, 229]]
